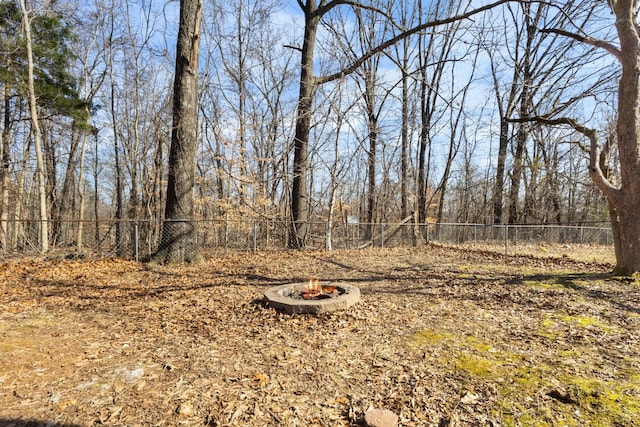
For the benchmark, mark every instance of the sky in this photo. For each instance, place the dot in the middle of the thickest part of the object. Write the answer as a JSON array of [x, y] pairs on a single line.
[[164, 17]]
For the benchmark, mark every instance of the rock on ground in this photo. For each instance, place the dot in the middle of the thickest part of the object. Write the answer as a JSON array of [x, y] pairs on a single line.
[[380, 418]]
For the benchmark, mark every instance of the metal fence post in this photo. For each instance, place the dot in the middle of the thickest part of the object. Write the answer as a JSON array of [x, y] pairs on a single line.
[[255, 236], [136, 240], [326, 236], [506, 239]]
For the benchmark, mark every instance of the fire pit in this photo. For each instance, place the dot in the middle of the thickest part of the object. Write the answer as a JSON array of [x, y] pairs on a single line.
[[314, 297]]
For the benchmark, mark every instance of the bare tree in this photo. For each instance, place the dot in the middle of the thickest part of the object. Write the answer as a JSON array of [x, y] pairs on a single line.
[[178, 243], [5, 169], [247, 74], [37, 136], [623, 197], [313, 13], [234, 27], [93, 73], [532, 71], [506, 101], [370, 32], [437, 52], [403, 58], [456, 126], [110, 58]]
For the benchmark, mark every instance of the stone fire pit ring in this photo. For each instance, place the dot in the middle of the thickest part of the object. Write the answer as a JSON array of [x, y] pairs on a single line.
[[279, 297]]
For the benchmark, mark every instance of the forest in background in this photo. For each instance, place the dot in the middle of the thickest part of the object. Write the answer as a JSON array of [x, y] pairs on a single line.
[[425, 128]]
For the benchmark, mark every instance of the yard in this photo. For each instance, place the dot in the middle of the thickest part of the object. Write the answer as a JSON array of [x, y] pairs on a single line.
[[443, 336]]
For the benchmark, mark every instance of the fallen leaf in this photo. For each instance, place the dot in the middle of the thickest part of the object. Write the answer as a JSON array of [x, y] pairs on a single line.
[[185, 409], [470, 398], [261, 379]]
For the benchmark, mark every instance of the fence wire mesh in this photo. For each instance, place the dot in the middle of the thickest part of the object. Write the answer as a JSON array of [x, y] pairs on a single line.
[[140, 239]]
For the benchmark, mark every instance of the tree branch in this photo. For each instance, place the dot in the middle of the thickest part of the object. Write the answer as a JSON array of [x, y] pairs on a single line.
[[384, 45], [356, 4], [298, 48], [585, 39], [595, 170]]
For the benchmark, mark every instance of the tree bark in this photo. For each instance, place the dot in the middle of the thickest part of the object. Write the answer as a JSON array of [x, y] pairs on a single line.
[[33, 107], [526, 82], [119, 208], [371, 175], [516, 174], [498, 184], [69, 184], [81, 172], [626, 200], [4, 174], [404, 143], [299, 196], [429, 94], [178, 242]]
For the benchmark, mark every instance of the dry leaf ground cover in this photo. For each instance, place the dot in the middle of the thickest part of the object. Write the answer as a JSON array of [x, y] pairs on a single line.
[[443, 337]]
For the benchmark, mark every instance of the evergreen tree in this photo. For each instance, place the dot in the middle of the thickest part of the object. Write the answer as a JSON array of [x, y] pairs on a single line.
[[54, 85]]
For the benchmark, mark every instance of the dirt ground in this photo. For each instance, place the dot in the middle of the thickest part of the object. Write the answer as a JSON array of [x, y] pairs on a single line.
[[443, 336]]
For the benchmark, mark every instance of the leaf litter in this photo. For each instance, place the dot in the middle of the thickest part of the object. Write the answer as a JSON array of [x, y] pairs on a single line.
[[443, 336]]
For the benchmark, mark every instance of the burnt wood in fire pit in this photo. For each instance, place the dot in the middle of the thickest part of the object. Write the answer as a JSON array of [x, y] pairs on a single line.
[[291, 299]]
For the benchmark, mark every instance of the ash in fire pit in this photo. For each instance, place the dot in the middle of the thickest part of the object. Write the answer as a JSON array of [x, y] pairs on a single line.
[[312, 297]]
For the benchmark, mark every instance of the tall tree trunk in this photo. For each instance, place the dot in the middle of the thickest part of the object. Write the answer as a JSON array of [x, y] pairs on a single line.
[[133, 148], [21, 193], [498, 184], [96, 192], [242, 101], [178, 242], [456, 130], [525, 105], [119, 214], [422, 149], [451, 154], [4, 173], [625, 200], [369, 30], [33, 108], [371, 153], [506, 104], [516, 174], [404, 62], [429, 94], [371, 180], [404, 145], [158, 192], [67, 192], [51, 177], [334, 184], [83, 150], [299, 197]]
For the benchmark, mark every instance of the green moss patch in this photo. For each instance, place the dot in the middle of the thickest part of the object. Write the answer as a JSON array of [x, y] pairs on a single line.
[[563, 388]]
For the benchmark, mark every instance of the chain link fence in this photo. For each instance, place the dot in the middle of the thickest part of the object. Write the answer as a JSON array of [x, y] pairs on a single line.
[[139, 239]]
